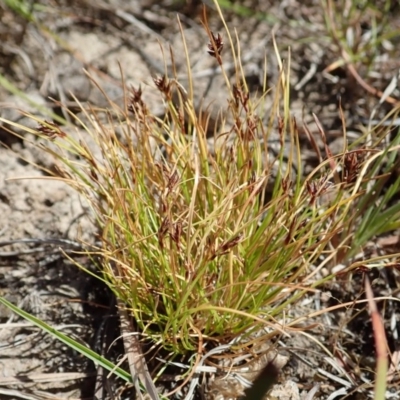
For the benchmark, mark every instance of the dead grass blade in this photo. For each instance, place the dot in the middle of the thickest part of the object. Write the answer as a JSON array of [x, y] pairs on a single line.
[[136, 359], [381, 345]]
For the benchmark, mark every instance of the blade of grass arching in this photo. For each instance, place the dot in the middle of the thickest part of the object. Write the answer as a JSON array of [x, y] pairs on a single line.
[[374, 160], [6, 84], [388, 220], [375, 221], [387, 158], [85, 351], [381, 345]]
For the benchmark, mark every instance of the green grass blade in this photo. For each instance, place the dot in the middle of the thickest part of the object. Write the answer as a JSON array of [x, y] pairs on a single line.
[[6, 84], [85, 351]]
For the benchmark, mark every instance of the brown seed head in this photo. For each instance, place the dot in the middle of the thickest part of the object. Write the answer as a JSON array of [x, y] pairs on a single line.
[[51, 130], [215, 46]]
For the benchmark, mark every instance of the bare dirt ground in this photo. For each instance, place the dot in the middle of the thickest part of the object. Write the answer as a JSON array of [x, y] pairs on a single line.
[[47, 59]]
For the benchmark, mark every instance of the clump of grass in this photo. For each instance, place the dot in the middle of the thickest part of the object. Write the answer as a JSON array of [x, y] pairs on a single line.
[[189, 242], [207, 241]]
